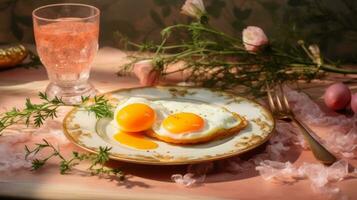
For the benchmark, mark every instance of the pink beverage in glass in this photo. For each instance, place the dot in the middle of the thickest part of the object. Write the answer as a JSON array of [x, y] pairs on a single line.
[[67, 41]]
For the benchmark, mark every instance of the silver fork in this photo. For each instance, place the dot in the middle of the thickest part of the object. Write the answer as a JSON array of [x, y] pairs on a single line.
[[281, 109]]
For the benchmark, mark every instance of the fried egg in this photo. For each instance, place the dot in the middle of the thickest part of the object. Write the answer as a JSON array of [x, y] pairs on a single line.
[[180, 122], [192, 122], [132, 116], [137, 114]]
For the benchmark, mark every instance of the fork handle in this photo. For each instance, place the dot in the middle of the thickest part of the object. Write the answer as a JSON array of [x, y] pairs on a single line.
[[320, 152]]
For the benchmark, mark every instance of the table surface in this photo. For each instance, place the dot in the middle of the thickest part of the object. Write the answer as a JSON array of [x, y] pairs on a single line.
[[146, 182]]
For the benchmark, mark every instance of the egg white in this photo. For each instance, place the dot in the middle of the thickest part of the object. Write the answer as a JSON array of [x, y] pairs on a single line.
[[216, 119]]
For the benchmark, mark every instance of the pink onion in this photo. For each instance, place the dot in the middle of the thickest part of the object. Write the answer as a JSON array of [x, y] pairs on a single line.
[[354, 103], [337, 96]]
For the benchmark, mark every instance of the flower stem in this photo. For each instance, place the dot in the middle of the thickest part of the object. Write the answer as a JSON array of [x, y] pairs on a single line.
[[202, 28], [331, 68]]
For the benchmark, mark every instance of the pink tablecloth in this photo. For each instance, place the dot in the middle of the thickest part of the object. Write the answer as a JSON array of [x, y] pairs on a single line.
[[144, 182]]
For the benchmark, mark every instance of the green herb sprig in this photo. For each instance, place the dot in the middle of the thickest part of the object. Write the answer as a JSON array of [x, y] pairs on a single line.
[[37, 113], [215, 59], [101, 107], [97, 161]]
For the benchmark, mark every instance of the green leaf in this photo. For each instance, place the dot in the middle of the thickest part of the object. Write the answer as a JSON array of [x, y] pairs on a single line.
[[29, 104], [37, 164], [43, 96], [64, 167]]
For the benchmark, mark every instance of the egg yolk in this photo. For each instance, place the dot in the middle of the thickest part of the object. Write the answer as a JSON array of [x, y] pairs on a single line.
[[184, 122], [135, 117], [135, 140]]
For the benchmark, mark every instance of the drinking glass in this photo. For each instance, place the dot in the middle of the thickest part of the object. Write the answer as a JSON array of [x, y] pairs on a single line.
[[67, 41]]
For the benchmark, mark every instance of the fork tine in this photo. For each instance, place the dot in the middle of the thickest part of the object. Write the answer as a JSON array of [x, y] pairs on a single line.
[[285, 100], [270, 98], [285, 113], [278, 101]]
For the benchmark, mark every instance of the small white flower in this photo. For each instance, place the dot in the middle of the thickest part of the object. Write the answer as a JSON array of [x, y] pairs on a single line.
[[254, 38], [193, 8], [315, 52]]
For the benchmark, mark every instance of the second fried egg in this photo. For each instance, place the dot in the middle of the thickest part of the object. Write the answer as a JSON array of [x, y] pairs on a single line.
[[191, 121]]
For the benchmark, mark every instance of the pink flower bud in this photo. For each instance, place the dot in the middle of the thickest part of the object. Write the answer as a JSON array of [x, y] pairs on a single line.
[[193, 8], [145, 72], [254, 38]]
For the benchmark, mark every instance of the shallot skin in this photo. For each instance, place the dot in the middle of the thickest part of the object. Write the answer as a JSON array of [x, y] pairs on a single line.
[[337, 96], [354, 103]]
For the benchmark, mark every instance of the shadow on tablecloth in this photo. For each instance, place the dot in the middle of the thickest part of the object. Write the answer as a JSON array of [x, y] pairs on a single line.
[[163, 173]]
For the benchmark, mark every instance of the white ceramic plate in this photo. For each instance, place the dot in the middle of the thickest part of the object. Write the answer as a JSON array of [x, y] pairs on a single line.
[[80, 128]]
